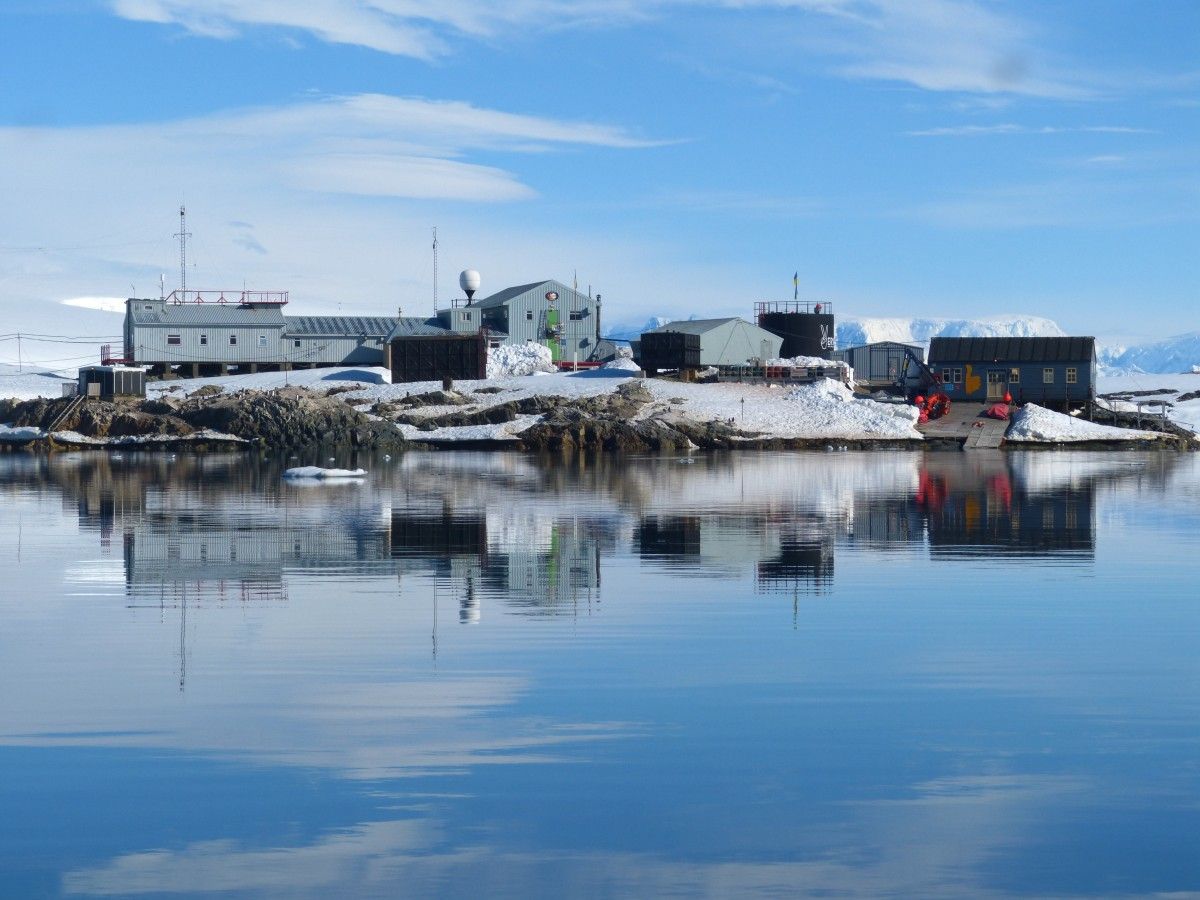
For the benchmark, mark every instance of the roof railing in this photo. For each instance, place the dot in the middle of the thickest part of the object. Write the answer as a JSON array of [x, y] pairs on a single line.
[[817, 307], [237, 298]]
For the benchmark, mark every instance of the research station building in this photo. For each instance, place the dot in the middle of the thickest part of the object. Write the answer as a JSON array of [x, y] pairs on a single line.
[[211, 332], [1057, 372]]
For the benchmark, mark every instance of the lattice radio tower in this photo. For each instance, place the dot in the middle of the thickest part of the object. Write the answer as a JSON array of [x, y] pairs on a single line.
[[183, 236]]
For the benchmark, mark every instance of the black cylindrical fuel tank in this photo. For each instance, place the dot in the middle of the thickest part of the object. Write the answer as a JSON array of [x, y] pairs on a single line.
[[803, 333]]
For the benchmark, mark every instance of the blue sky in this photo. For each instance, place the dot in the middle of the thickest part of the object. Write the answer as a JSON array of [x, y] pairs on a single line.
[[907, 157]]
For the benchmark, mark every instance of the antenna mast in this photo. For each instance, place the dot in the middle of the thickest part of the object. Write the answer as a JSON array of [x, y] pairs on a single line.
[[183, 235], [435, 284]]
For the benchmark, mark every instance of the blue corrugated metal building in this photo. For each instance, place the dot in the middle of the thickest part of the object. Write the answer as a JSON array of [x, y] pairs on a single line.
[[1049, 371]]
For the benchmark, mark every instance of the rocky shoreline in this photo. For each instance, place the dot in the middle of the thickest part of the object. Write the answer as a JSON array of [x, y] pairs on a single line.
[[289, 419]]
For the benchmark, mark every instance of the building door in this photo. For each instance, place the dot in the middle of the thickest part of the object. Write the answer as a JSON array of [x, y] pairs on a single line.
[[997, 383]]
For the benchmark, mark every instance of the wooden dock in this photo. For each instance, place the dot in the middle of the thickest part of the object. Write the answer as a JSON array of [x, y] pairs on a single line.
[[966, 424]]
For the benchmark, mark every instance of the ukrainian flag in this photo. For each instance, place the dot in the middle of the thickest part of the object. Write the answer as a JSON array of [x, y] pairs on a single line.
[[796, 286]]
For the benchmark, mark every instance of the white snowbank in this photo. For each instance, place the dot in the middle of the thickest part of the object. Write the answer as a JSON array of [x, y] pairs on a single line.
[[510, 360], [19, 434], [828, 408], [622, 364], [318, 472], [1035, 423], [808, 362]]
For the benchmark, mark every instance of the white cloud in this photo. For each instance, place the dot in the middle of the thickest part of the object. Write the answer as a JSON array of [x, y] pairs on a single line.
[[102, 304], [939, 45], [342, 192]]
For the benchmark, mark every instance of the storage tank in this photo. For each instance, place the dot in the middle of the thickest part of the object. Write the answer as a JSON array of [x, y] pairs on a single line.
[[807, 329]]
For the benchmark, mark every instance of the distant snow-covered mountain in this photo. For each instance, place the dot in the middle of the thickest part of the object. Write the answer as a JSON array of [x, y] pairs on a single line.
[[631, 330], [1180, 353], [853, 331]]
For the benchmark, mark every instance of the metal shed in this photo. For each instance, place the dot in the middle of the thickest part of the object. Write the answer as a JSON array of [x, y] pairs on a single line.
[[727, 342], [1050, 371], [432, 357], [881, 364], [107, 382]]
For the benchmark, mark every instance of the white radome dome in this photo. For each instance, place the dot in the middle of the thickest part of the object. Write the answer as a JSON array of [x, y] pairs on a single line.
[[468, 280]]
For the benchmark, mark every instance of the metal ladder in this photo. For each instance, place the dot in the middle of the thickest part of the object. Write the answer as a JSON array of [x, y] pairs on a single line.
[[66, 412]]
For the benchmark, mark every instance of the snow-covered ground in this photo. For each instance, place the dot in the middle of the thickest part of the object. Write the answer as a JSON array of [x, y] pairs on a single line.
[[31, 385], [827, 410], [1035, 423], [1185, 413], [811, 411]]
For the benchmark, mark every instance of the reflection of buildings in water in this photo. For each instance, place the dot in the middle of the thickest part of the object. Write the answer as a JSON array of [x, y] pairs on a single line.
[[979, 506], [539, 576], [789, 552]]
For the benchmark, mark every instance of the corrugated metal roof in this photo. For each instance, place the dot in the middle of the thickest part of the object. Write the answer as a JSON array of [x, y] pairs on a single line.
[[698, 326], [1012, 349], [899, 345], [501, 297], [414, 326], [565, 298], [340, 326], [204, 314]]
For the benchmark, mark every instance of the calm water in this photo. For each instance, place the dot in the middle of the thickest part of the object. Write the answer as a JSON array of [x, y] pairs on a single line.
[[477, 675]]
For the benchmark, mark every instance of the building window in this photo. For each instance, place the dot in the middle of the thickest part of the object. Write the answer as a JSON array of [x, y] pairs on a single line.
[[174, 339], [958, 376], [1047, 376], [148, 308], [262, 340], [204, 340], [1072, 376], [576, 315], [295, 343], [947, 376], [529, 315], [233, 340], [1014, 376]]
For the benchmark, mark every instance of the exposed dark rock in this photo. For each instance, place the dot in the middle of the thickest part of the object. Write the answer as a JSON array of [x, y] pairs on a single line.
[[291, 418]]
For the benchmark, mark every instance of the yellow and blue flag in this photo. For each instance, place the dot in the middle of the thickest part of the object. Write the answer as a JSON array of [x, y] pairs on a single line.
[[796, 285]]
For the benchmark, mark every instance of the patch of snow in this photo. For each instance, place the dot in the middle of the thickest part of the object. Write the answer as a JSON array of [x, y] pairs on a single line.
[[510, 360], [499, 431], [19, 434], [1035, 423], [622, 364], [319, 472], [316, 379], [808, 362]]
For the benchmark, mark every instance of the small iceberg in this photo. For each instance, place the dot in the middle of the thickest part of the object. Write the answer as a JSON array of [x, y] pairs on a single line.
[[318, 472]]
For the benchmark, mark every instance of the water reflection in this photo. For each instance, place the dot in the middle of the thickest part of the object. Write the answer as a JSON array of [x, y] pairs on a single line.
[[618, 701], [535, 539]]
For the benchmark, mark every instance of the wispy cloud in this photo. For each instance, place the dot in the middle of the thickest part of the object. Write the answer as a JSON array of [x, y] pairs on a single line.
[[1012, 128], [940, 45]]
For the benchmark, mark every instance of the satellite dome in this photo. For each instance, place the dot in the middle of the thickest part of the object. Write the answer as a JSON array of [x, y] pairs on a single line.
[[468, 280]]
